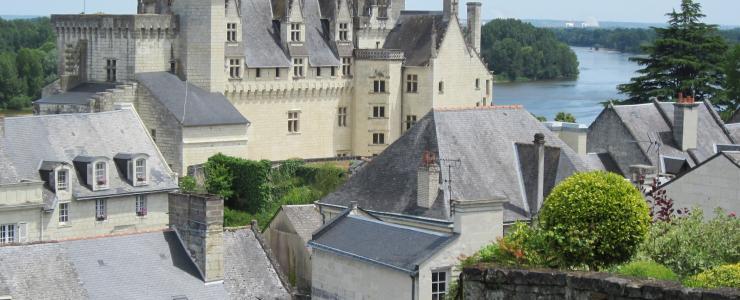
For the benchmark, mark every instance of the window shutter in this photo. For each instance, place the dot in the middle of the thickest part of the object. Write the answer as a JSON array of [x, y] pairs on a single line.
[[130, 170], [53, 180], [90, 175], [22, 235]]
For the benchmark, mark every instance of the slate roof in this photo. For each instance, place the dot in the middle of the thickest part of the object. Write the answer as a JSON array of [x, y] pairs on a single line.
[[603, 162], [734, 129], [319, 40], [304, 218], [418, 34], [30, 141], [79, 95], [487, 142], [141, 266], [265, 48], [657, 118], [203, 108], [735, 118], [398, 247]]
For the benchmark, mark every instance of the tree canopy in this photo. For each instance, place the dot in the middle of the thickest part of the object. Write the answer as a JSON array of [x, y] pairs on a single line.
[[686, 57], [517, 50]]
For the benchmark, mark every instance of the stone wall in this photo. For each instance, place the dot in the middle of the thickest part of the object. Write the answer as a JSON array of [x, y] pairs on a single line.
[[499, 283], [198, 220], [164, 128]]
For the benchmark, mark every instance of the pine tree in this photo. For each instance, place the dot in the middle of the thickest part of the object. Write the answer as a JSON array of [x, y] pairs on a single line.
[[732, 84], [686, 58]]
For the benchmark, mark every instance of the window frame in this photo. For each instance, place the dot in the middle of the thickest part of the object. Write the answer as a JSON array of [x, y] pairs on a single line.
[[140, 206], [318, 71], [346, 66], [111, 72], [140, 171], [343, 31], [294, 122], [410, 121], [63, 213], [379, 112], [100, 174], [235, 66], [62, 180], [8, 233], [258, 73], [342, 116], [412, 83], [378, 138], [379, 86], [438, 294], [101, 210], [441, 87], [295, 32], [231, 32], [298, 68]]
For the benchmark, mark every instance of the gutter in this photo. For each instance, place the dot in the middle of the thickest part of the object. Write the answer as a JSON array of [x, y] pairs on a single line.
[[126, 194], [423, 220]]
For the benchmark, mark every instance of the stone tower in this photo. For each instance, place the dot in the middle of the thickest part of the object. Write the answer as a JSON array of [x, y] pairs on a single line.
[[202, 42]]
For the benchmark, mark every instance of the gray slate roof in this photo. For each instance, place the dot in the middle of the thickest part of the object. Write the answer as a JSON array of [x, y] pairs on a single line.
[[141, 266], [657, 117], [265, 48], [419, 35], [304, 218], [203, 108], [603, 162], [29, 141], [79, 95], [399, 247], [734, 129], [488, 143], [319, 40]]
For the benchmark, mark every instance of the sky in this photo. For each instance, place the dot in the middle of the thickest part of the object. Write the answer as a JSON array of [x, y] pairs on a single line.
[[724, 12]]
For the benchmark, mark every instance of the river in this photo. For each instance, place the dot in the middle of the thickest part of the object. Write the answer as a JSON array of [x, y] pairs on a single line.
[[600, 73]]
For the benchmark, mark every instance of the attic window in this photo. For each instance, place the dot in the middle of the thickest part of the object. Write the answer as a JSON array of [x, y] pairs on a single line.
[[231, 32], [343, 31], [62, 180], [140, 170], [295, 32], [101, 174], [674, 165]]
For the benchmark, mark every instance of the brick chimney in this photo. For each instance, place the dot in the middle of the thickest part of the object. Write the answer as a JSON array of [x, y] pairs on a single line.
[[450, 9], [427, 181], [685, 122], [539, 144], [474, 25], [199, 222]]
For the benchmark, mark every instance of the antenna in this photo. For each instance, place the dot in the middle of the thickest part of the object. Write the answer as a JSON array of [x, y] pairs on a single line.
[[84, 6]]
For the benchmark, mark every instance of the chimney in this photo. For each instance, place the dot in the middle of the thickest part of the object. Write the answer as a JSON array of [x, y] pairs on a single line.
[[539, 144], [478, 222], [474, 25], [572, 134], [198, 221], [450, 9], [685, 122], [354, 208], [427, 181]]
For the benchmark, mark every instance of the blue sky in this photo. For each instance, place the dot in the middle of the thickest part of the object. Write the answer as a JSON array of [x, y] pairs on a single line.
[[718, 11]]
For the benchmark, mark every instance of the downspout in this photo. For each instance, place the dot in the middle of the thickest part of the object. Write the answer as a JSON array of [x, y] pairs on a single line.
[[41, 226], [413, 287]]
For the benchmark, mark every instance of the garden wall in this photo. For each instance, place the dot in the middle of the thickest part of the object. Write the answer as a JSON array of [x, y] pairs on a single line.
[[500, 283]]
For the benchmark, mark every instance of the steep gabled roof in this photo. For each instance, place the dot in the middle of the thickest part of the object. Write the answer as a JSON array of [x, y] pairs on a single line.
[[203, 108], [418, 34], [483, 154], [305, 219], [319, 42], [263, 44]]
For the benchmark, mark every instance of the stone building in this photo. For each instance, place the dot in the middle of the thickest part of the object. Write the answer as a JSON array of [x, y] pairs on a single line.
[[317, 79], [79, 176]]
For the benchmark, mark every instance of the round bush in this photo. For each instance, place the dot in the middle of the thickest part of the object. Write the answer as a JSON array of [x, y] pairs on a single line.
[[719, 277], [596, 219], [647, 269]]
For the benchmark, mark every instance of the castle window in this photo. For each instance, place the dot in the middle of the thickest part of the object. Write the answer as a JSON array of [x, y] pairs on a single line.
[[477, 84], [298, 67], [318, 72], [410, 121], [378, 111], [141, 205], [346, 66], [439, 285], [277, 72], [342, 117], [235, 68], [63, 213], [294, 122], [231, 32], [62, 180], [441, 87], [378, 138], [333, 71], [412, 83], [101, 174], [100, 211], [110, 70], [379, 86], [258, 73], [343, 31], [295, 32]]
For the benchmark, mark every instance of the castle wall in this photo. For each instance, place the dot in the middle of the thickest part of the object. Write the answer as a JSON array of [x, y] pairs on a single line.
[[201, 142], [163, 127]]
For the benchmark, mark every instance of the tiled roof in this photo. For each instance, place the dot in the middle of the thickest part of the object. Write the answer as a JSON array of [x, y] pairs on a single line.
[[141, 266], [418, 34], [479, 152], [399, 247], [203, 108], [304, 218], [265, 47]]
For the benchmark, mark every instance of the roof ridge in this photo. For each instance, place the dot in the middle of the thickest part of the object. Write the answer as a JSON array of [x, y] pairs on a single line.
[[477, 107]]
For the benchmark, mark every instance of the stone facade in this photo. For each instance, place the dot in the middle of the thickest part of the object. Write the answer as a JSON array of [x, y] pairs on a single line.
[[499, 283]]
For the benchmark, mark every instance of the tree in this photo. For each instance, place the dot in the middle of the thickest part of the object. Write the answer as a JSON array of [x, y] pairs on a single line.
[[10, 85], [686, 57], [732, 82], [565, 117], [28, 63]]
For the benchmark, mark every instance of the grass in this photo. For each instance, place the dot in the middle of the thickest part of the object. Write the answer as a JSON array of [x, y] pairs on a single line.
[[15, 112], [646, 270]]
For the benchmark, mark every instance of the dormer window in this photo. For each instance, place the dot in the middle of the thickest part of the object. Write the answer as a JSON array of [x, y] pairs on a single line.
[[343, 31], [62, 180], [140, 171], [134, 167], [295, 32], [101, 174]]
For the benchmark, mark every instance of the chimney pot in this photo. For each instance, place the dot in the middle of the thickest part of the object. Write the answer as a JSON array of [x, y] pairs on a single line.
[[539, 138]]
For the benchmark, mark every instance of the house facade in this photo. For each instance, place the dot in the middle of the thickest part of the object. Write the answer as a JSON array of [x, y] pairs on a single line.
[[79, 176], [316, 79]]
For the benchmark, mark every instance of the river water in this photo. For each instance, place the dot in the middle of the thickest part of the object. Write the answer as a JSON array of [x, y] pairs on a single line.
[[600, 73]]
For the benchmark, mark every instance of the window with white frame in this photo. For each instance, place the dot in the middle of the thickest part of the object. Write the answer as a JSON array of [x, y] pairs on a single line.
[[343, 31], [7, 233], [100, 210], [141, 205], [346, 66], [101, 174], [140, 170], [298, 67], [110, 70], [235, 68], [410, 121], [412, 83], [378, 111], [379, 86], [231, 32], [378, 138], [295, 32], [62, 182], [439, 285], [294, 121], [63, 213], [342, 117]]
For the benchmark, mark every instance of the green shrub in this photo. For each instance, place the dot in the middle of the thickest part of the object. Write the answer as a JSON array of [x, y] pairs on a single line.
[[235, 218], [245, 184], [646, 269], [325, 178], [722, 276], [522, 246], [187, 184], [595, 219], [690, 245]]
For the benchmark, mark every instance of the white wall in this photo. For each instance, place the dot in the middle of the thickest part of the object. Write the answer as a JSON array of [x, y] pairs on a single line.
[[202, 142], [712, 185]]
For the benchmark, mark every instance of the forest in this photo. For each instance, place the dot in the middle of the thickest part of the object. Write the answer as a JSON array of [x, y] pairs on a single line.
[[630, 40], [520, 51], [28, 61]]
